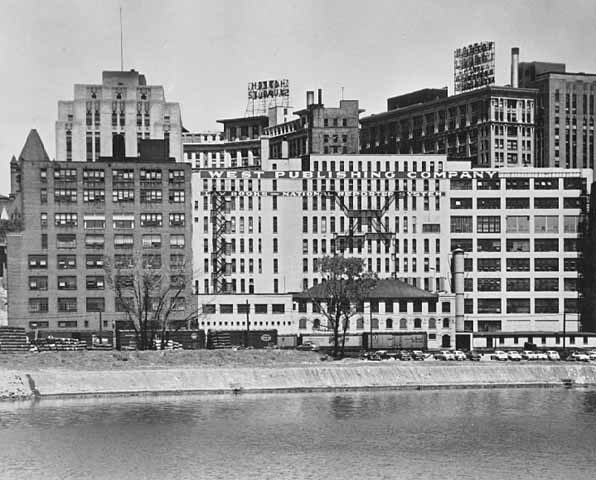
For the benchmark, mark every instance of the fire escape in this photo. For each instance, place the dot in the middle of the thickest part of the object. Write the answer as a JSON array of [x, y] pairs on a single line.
[[371, 219], [220, 227]]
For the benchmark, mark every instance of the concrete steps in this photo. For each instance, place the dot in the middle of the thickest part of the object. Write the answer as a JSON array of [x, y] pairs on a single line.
[[13, 340]]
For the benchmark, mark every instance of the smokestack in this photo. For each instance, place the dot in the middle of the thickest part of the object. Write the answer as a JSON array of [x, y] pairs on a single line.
[[310, 98], [320, 97], [514, 67], [458, 282]]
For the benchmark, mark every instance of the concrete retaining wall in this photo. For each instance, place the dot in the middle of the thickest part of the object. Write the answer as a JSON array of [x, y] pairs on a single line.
[[59, 383]]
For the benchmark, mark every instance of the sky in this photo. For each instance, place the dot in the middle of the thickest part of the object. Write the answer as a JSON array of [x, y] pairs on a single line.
[[205, 52]]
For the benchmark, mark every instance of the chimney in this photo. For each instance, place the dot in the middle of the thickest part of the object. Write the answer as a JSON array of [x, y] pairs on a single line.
[[320, 102], [514, 67], [458, 282], [310, 98]]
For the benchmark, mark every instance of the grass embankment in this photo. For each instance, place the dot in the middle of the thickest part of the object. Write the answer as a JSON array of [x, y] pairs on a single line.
[[127, 360]]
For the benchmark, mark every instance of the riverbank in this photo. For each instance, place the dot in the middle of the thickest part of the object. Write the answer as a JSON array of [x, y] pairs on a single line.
[[298, 374]]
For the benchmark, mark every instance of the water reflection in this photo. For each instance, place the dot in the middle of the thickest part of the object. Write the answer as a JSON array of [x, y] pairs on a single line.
[[460, 433]]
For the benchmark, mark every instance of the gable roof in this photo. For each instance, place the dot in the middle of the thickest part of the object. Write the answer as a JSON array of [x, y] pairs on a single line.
[[33, 150], [384, 288]]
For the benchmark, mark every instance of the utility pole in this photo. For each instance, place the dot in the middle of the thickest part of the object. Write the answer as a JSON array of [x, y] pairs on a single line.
[[100, 329], [564, 329]]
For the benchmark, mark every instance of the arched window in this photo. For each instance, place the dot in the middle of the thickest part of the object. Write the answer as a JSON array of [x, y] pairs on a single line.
[[302, 324], [316, 324], [417, 323], [375, 323], [389, 323], [432, 323], [445, 323], [403, 323], [360, 323]]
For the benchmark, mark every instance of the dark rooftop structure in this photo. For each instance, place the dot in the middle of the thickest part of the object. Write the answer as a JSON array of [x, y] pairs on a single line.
[[419, 96]]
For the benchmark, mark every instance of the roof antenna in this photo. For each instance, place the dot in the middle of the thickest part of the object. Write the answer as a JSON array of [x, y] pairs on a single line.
[[121, 44], [342, 93]]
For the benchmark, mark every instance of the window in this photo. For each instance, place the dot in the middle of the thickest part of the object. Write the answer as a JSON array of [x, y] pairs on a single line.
[[488, 224], [546, 284], [152, 240], [546, 305], [67, 283], [176, 241], [546, 224], [261, 308], [571, 223], [94, 261], [570, 284], [461, 224], [570, 245], [96, 304], [489, 305], [518, 223], [177, 220], [66, 240], [488, 245], [518, 305], [546, 202], [38, 305], [176, 176], [465, 244], [570, 264], [518, 284], [95, 240], [151, 195], [123, 260], [152, 261], [122, 195], [38, 261], [66, 305], [123, 241], [518, 264], [277, 308], [124, 221], [492, 203], [520, 203], [151, 220], [176, 196], [489, 284], [66, 262], [38, 283], [546, 245], [546, 264], [517, 183], [94, 222], [95, 282], [65, 219], [489, 264], [461, 204], [518, 245], [546, 183]]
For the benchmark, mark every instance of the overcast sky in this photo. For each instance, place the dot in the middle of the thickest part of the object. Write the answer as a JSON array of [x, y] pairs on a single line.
[[205, 52]]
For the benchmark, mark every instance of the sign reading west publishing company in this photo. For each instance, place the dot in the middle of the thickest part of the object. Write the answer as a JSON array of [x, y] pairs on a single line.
[[474, 66], [268, 89], [341, 175]]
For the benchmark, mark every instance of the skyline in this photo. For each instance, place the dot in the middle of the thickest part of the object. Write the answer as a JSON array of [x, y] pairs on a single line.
[[205, 54]]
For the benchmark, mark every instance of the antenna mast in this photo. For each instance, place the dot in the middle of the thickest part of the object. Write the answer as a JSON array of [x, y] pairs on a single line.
[[121, 44]]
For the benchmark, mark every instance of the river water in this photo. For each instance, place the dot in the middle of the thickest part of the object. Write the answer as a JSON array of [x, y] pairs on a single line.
[[449, 434]]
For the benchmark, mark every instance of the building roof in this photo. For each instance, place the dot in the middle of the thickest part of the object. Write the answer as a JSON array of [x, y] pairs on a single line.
[[384, 288], [534, 333], [34, 149]]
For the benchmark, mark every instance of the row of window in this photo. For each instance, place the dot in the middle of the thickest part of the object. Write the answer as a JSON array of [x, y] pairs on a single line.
[[520, 284], [515, 224], [521, 244], [243, 308], [70, 304], [520, 183], [97, 241], [522, 264], [96, 175], [417, 323], [119, 195], [67, 262], [511, 203], [124, 221], [520, 305]]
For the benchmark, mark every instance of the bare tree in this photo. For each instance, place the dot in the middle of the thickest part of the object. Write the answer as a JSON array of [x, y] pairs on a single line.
[[153, 296], [345, 286]]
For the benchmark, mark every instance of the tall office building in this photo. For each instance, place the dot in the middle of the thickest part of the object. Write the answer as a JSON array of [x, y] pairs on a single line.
[[564, 114], [123, 104], [76, 216], [492, 126]]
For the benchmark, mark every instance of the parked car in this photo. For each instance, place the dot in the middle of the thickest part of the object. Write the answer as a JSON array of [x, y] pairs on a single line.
[[383, 354], [499, 355], [591, 354], [579, 357], [514, 356], [445, 355], [308, 346], [541, 356], [419, 355], [459, 355], [404, 355], [553, 355], [529, 355], [474, 356]]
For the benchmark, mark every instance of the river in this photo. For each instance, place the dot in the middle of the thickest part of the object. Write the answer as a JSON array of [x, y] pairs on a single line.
[[446, 434]]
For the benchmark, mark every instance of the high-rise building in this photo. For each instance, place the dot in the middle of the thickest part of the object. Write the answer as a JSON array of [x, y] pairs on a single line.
[[123, 104], [76, 216], [492, 126], [564, 114]]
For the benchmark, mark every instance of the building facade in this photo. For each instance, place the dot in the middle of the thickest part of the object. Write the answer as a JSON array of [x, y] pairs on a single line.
[[79, 218], [262, 231], [122, 104], [492, 127], [564, 114]]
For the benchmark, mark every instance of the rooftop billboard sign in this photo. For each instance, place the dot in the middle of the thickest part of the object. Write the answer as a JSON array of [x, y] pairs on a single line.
[[351, 175], [474, 66]]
